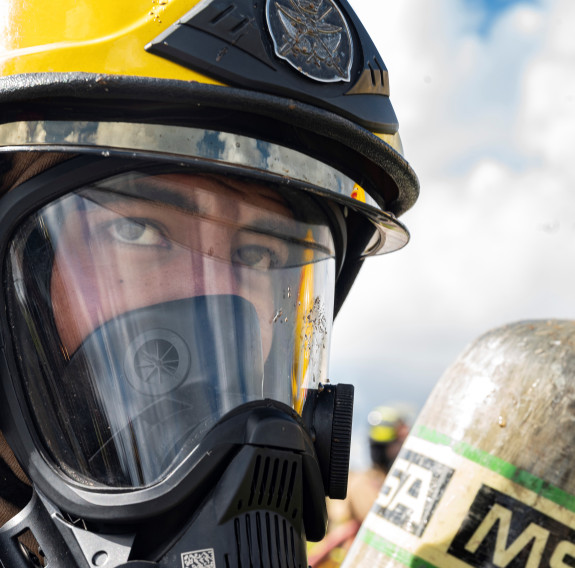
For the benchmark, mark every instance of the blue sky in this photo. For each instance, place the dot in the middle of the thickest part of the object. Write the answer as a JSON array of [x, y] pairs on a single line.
[[489, 11], [485, 96]]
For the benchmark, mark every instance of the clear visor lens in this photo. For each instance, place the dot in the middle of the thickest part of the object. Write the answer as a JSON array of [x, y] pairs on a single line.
[[147, 306]]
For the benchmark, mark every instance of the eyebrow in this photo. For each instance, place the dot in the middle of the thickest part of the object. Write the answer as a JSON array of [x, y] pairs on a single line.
[[149, 188], [144, 188], [280, 230]]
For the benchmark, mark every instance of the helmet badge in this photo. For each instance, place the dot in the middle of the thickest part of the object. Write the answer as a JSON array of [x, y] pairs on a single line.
[[312, 36]]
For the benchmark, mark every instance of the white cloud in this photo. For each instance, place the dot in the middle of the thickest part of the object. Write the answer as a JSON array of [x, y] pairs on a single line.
[[546, 125], [488, 122]]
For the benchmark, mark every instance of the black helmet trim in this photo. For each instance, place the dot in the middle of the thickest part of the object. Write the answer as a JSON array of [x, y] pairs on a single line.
[[328, 137]]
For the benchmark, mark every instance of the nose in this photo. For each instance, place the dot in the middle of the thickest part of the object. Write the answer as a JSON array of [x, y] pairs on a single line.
[[202, 273]]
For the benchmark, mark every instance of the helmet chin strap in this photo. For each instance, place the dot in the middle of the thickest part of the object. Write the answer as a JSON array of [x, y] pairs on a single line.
[[15, 489], [57, 541]]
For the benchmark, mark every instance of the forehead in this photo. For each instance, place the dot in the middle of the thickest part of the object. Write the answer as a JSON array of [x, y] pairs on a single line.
[[200, 193], [182, 202]]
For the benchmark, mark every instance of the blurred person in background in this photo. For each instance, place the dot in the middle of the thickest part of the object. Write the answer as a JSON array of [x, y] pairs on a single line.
[[388, 429]]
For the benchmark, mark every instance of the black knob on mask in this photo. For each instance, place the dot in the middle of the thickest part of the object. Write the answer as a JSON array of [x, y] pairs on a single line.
[[327, 415]]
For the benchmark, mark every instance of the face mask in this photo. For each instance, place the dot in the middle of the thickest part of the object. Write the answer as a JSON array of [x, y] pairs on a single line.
[[169, 328]]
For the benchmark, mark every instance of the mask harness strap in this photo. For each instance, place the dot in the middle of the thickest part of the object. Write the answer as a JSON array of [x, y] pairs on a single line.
[[59, 541]]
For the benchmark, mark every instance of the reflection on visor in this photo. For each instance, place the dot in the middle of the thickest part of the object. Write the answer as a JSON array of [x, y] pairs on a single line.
[[163, 375], [148, 306], [275, 231]]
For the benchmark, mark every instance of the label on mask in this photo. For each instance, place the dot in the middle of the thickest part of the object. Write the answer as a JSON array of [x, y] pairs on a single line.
[[199, 559], [447, 504]]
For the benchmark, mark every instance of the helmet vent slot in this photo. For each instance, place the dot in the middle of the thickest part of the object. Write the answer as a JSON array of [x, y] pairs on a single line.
[[273, 482], [221, 15], [265, 539]]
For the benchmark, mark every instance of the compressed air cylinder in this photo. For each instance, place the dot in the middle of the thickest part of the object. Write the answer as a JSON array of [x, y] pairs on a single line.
[[486, 477]]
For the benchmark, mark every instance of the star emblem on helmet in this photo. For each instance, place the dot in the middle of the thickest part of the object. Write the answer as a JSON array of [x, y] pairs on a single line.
[[312, 36]]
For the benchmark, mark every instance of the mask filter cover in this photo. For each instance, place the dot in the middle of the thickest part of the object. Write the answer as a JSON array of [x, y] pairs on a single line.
[[144, 388]]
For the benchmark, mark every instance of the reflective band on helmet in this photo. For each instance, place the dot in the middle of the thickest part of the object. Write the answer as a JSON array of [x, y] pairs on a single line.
[[218, 148], [183, 140]]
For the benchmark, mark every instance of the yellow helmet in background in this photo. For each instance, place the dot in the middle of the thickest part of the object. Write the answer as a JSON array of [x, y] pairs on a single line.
[[388, 428], [384, 424]]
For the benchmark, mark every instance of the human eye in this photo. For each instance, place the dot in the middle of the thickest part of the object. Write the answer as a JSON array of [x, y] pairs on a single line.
[[258, 257], [137, 232]]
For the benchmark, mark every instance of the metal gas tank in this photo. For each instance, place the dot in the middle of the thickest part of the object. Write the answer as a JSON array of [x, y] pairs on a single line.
[[486, 477]]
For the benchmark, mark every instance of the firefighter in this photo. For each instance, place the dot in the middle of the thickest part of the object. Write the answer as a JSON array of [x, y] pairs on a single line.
[[188, 190], [388, 428]]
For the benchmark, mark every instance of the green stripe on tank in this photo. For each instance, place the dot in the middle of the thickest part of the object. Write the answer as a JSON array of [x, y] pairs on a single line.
[[497, 465], [392, 550]]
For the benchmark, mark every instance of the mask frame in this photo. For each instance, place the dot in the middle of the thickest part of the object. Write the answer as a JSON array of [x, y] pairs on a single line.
[[101, 503]]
